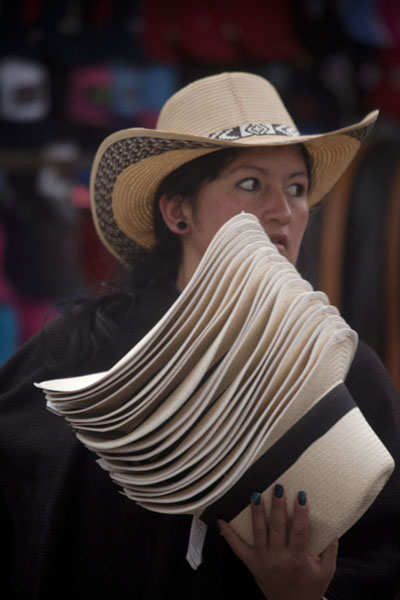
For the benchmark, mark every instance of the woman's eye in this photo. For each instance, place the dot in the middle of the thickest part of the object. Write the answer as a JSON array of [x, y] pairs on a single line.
[[250, 184], [297, 190]]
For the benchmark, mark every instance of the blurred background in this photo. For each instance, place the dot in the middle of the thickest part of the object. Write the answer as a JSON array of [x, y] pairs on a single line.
[[73, 71]]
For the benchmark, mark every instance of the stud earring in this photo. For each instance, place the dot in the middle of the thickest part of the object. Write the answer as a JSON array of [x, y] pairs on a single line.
[[181, 225]]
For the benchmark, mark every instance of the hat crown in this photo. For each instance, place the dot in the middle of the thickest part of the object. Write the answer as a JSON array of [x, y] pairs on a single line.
[[220, 102]]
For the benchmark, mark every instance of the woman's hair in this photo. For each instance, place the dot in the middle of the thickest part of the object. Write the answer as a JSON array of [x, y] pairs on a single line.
[[163, 260], [94, 322]]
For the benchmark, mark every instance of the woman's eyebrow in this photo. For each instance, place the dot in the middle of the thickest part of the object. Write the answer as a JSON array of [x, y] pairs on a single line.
[[255, 167], [265, 171], [299, 174]]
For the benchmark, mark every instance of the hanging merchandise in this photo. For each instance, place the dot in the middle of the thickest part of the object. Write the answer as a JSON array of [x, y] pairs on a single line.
[[55, 177], [359, 257], [160, 35], [89, 95], [319, 28], [126, 91], [79, 196], [22, 28], [68, 37], [386, 94], [390, 10], [40, 258], [159, 83], [96, 264], [267, 31], [9, 326], [119, 94], [91, 32], [208, 33], [122, 33], [364, 22], [24, 90], [138, 93]]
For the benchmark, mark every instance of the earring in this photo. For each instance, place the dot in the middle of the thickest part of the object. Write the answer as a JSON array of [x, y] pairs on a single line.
[[181, 225]]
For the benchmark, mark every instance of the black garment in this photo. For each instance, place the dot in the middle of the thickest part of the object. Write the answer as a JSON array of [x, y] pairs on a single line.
[[67, 530]]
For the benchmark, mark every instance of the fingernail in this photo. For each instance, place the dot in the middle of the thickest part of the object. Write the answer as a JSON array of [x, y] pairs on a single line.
[[256, 498], [278, 491], [302, 498]]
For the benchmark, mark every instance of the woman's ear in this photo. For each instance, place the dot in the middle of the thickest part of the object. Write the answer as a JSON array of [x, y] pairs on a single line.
[[175, 213]]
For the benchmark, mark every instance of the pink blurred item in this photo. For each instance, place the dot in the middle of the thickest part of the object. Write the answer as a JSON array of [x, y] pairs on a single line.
[[89, 98]]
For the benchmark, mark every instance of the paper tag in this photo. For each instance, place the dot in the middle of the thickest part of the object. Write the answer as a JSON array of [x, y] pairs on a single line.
[[197, 536]]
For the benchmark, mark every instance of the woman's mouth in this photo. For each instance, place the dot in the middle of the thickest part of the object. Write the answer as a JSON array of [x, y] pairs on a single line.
[[279, 241]]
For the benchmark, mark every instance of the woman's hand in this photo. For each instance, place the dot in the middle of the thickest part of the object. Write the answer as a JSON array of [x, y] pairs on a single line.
[[281, 564]]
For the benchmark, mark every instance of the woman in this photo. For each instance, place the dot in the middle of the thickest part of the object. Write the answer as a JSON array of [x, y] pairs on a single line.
[[223, 144]]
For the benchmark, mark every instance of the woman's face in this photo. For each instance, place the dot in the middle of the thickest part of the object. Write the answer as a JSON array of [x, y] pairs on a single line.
[[271, 183]]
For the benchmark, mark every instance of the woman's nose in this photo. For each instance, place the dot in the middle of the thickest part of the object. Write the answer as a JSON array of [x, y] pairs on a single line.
[[276, 207]]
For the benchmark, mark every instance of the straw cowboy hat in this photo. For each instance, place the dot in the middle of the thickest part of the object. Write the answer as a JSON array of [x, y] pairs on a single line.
[[221, 111]]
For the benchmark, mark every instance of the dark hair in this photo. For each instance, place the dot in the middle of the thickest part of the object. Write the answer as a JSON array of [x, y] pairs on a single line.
[[163, 260], [96, 318]]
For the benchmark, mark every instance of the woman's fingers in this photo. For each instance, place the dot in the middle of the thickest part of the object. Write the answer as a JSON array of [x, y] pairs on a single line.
[[260, 530], [298, 538], [239, 547], [329, 556], [280, 560], [277, 520]]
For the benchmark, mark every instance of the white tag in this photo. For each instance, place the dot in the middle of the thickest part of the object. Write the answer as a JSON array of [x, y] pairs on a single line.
[[197, 536]]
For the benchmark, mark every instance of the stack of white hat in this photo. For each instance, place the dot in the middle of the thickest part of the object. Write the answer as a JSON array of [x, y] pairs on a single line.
[[238, 387]]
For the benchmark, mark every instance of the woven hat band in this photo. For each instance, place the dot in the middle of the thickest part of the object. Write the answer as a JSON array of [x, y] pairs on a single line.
[[249, 129]]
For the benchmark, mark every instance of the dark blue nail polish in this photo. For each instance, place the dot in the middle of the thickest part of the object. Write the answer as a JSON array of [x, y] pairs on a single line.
[[278, 491], [302, 498], [256, 498]]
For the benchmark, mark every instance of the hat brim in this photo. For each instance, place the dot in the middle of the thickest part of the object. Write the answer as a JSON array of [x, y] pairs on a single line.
[[130, 165]]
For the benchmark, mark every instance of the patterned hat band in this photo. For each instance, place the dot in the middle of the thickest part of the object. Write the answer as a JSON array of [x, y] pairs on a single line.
[[250, 129]]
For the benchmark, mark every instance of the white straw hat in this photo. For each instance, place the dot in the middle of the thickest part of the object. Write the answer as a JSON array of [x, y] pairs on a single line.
[[238, 387], [221, 111]]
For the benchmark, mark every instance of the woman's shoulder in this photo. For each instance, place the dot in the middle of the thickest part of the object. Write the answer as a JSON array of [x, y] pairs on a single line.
[[370, 385], [64, 347], [368, 376], [30, 357], [90, 336]]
